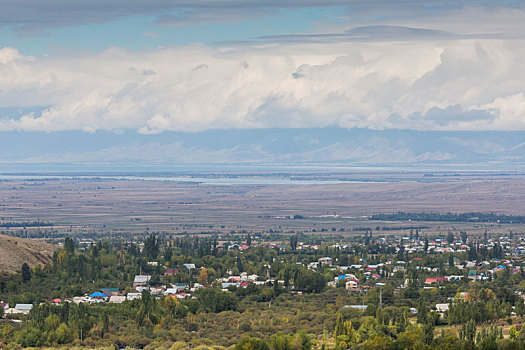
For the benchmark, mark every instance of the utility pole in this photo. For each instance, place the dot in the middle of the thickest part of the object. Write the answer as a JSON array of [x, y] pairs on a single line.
[[380, 285]]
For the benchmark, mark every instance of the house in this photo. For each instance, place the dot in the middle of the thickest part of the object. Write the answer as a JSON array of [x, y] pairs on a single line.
[[117, 299], [253, 277], [352, 284], [441, 308], [170, 291], [183, 296], [97, 297], [78, 300], [141, 281], [56, 301], [171, 272], [325, 261], [196, 286], [226, 285], [157, 290], [472, 275], [470, 265], [133, 296], [463, 296], [499, 268], [179, 286], [357, 307], [436, 280], [20, 309], [4, 305], [110, 291], [312, 265], [453, 278]]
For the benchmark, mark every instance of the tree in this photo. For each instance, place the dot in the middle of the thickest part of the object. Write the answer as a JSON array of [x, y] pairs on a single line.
[[168, 253], [240, 264], [293, 242], [469, 331], [309, 281], [30, 337], [339, 326], [450, 237], [301, 341], [411, 338], [378, 342], [64, 334], [69, 245], [464, 237], [26, 273], [513, 333], [280, 341], [422, 311], [151, 247], [344, 334], [214, 300], [367, 328], [472, 252], [286, 278], [249, 343], [520, 307], [203, 276], [428, 331]]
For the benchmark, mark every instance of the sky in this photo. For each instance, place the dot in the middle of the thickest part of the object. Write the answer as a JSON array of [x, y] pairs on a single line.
[[148, 67]]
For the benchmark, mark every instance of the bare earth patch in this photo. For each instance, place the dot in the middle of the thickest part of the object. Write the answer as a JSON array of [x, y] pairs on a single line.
[[14, 252]]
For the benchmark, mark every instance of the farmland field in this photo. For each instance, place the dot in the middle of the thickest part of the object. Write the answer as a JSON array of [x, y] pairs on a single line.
[[108, 204]]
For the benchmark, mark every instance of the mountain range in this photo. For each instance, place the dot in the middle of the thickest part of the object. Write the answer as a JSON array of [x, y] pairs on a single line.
[[34, 151]]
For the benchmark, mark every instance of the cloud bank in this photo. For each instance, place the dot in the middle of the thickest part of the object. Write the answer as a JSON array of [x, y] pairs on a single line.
[[32, 16], [441, 84]]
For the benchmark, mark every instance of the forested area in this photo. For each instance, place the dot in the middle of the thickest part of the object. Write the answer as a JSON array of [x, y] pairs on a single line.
[[451, 217]]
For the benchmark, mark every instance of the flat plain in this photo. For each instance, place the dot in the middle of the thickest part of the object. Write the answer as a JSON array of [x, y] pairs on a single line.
[[123, 205]]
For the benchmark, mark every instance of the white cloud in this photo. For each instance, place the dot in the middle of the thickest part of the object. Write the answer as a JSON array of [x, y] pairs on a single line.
[[349, 84]]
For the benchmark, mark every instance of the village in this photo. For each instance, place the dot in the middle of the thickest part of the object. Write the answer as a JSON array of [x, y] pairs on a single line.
[[388, 261]]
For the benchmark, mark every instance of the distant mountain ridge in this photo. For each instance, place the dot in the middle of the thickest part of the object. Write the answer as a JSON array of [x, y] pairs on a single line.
[[266, 146]]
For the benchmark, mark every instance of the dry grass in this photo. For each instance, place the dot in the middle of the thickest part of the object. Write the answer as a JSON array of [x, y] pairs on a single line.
[[14, 252]]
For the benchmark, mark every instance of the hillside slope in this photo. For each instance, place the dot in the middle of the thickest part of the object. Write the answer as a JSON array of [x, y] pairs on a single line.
[[14, 252]]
